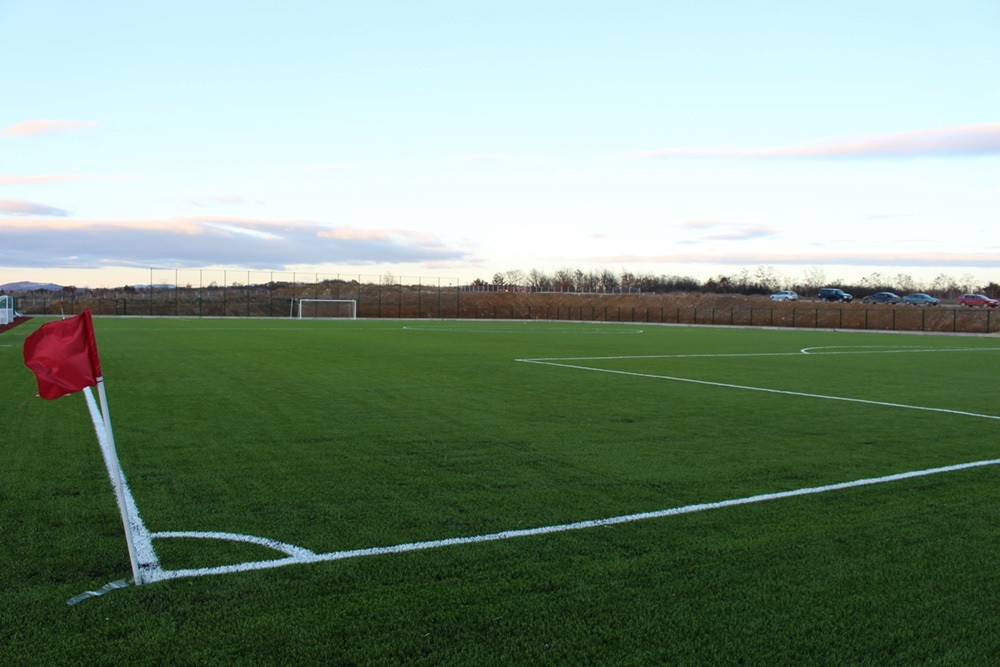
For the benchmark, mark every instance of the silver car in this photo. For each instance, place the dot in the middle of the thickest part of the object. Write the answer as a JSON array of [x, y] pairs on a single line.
[[921, 299]]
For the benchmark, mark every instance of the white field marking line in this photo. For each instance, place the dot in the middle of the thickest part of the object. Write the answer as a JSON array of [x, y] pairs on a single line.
[[785, 392], [532, 330], [873, 349], [290, 549], [308, 557], [806, 350], [235, 330]]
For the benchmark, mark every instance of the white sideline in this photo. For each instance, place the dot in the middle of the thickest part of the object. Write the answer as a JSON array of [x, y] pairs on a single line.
[[164, 575]]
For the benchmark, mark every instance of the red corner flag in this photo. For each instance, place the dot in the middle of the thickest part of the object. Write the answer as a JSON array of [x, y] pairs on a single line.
[[63, 356]]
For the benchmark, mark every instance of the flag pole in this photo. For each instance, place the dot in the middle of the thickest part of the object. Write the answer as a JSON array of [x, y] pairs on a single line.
[[118, 483]]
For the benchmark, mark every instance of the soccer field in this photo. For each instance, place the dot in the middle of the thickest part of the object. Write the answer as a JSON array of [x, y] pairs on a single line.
[[385, 491]]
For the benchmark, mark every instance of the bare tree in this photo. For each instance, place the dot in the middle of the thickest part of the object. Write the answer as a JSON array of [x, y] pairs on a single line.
[[906, 283], [768, 278], [815, 277], [539, 280], [516, 278], [564, 280]]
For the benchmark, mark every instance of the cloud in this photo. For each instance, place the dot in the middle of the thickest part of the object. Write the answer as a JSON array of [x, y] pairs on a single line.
[[225, 200], [31, 180], [925, 260], [27, 208], [728, 231], [41, 127], [210, 240], [60, 178], [890, 216], [498, 157], [964, 141]]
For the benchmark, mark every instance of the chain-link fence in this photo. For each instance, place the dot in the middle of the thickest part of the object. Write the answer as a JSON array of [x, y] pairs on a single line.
[[260, 294]]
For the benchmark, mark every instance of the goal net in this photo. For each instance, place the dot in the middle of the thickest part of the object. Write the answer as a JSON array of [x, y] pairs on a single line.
[[7, 312], [328, 308]]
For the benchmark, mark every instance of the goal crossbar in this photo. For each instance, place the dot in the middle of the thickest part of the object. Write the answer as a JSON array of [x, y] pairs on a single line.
[[351, 303]]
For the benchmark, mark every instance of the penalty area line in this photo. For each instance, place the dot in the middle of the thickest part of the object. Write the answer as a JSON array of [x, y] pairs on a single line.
[[766, 390], [164, 575]]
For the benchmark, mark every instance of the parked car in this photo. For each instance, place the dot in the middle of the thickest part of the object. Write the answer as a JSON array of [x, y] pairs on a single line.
[[977, 300], [882, 297], [834, 294], [921, 299], [785, 295]]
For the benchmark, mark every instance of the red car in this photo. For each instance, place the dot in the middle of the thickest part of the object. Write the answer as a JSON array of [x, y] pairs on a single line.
[[977, 300]]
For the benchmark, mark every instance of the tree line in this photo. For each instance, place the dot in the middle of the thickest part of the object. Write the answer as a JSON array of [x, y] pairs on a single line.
[[764, 280]]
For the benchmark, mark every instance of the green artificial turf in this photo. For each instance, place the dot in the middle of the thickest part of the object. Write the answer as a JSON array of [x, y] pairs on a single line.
[[339, 435]]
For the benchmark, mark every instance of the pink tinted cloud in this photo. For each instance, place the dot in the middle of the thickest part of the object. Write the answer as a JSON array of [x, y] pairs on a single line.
[[964, 141], [42, 127], [382, 235], [21, 208], [354, 234], [61, 178], [30, 180], [916, 259]]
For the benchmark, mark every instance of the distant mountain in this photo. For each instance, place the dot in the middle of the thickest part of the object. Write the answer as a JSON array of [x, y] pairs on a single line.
[[28, 286]]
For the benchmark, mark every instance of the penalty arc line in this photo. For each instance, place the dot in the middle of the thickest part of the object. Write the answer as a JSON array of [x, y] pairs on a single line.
[[164, 575]]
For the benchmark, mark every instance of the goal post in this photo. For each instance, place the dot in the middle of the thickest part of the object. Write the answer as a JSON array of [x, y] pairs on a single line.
[[328, 308]]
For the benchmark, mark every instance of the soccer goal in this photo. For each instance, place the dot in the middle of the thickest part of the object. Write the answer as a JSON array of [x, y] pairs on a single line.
[[7, 309], [328, 308]]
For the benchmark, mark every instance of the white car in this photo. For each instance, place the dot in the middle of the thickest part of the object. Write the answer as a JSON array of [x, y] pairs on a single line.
[[785, 295]]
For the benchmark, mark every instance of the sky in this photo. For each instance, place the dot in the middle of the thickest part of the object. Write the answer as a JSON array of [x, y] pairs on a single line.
[[456, 139]]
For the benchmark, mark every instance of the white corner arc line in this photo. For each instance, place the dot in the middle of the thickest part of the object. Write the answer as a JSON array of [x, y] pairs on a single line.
[[164, 575], [767, 390], [284, 547]]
